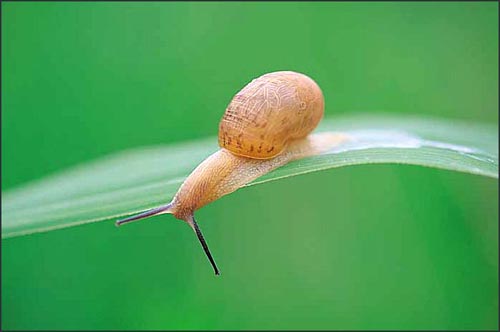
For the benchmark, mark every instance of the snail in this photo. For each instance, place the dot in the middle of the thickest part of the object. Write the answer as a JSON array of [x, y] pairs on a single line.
[[266, 125]]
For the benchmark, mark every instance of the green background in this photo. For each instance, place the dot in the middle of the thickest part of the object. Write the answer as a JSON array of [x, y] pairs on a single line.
[[364, 247]]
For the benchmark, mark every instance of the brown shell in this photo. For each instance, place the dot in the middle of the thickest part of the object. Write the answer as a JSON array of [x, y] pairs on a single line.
[[269, 112]]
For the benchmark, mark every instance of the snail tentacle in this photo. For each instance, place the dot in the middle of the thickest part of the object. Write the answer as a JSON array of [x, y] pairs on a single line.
[[149, 213], [191, 222]]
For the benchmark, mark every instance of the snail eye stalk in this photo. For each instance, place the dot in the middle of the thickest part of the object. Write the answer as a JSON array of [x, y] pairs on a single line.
[[197, 230], [146, 214]]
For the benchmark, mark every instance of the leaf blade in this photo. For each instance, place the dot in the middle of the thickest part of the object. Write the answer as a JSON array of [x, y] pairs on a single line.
[[133, 181]]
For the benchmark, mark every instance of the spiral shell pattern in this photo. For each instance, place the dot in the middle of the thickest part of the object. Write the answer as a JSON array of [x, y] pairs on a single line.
[[269, 112]]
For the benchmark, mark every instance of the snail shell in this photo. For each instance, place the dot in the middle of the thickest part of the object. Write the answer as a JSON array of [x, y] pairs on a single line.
[[269, 112]]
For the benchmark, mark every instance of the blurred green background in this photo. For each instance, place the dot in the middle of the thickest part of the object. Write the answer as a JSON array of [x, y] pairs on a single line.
[[364, 247]]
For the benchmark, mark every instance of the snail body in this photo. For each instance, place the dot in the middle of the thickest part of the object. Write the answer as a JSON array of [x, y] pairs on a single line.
[[223, 172], [265, 126]]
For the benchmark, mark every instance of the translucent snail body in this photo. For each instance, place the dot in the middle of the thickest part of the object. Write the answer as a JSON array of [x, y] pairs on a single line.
[[265, 126]]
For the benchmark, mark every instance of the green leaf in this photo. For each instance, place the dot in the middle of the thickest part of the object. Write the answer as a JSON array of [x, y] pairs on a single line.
[[135, 180]]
